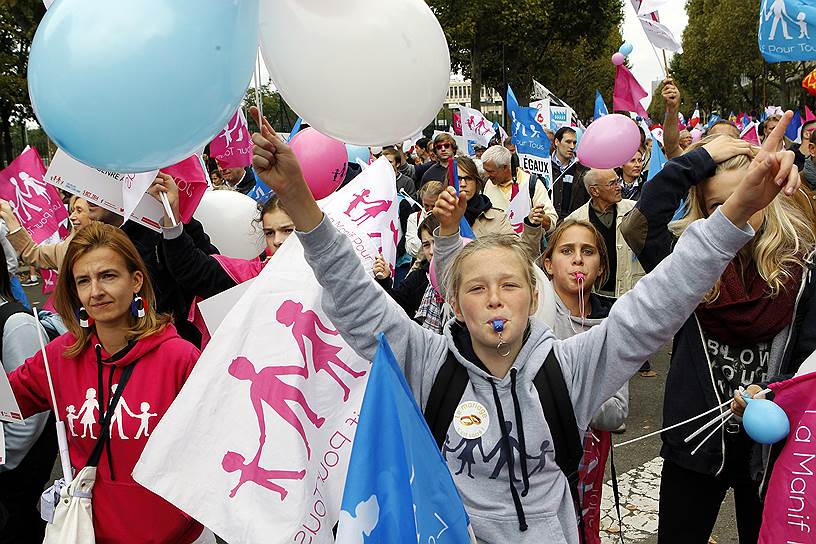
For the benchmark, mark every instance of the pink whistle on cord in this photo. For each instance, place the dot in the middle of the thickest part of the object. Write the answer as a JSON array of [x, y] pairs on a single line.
[[580, 276]]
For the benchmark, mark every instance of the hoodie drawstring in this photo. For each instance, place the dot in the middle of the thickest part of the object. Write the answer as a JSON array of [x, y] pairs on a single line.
[[508, 451], [525, 477]]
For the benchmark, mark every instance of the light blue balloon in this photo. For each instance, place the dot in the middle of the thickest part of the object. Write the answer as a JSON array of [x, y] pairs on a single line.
[[136, 85], [765, 422], [626, 49], [579, 132], [358, 154]]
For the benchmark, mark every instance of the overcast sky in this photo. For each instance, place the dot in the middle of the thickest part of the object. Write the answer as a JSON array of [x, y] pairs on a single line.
[[644, 62]]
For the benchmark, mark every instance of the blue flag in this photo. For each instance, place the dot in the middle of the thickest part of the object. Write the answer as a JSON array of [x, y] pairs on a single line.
[[711, 120], [295, 128], [787, 31], [398, 488], [657, 162], [792, 132], [259, 193], [532, 144], [600, 106]]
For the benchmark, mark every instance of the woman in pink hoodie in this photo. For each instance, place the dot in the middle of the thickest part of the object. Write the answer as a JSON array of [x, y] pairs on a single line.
[[116, 342]]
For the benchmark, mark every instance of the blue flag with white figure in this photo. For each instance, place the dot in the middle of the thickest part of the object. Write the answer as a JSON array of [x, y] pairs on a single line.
[[787, 30], [398, 488], [656, 162], [600, 105], [527, 132], [260, 193]]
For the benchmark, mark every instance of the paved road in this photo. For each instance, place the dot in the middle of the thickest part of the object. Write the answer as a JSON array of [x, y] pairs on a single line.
[[638, 465]]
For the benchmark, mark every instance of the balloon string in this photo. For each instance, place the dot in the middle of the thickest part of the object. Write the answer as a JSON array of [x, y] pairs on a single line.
[[257, 77]]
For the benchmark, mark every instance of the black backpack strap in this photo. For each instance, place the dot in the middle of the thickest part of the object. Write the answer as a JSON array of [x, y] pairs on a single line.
[[446, 392], [6, 311], [531, 184], [560, 416]]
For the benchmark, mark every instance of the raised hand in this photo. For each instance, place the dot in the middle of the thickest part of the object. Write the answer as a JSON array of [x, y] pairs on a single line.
[[449, 209], [771, 172], [7, 214], [277, 166], [381, 268], [671, 95], [167, 185], [723, 148], [537, 216]]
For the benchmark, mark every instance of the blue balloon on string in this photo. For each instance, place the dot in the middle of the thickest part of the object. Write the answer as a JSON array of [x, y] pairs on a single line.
[[626, 49], [765, 422], [136, 85]]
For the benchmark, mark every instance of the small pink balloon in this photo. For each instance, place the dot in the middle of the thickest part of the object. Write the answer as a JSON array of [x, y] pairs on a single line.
[[323, 160], [432, 268], [609, 142], [696, 134], [618, 59]]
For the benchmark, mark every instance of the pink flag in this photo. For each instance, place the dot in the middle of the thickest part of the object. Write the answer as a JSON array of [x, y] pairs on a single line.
[[232, 148], [750, 134], [36, 204], [628, 93], [457, 123], [790, 506], [192, 180], [809, 115]]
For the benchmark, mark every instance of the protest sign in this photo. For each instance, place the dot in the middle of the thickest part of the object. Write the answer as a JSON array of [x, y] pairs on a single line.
[[532, 145], [37, 205], [785, 28], [102, 188], [9, 410]]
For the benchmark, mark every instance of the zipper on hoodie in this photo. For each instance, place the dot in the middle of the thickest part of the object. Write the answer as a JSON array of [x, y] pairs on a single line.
[[714, 388]]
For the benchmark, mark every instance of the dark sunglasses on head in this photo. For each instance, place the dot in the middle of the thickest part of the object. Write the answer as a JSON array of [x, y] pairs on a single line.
[[442, 146]]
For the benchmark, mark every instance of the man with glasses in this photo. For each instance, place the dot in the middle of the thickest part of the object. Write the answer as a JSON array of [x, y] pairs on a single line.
[[605, 210], [445, 147]]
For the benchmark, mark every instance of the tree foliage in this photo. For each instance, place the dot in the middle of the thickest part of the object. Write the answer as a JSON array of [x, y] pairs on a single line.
[[721, 66], [566, 46], [18, 21]]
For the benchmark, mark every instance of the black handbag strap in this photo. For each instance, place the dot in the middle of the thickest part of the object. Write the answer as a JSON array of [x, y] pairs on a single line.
[[105, 422]]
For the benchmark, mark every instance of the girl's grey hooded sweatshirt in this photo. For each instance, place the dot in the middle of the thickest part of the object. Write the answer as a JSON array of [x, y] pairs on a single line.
[[595, 365]]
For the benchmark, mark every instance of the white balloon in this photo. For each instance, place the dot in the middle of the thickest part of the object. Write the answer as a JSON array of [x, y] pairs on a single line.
[[228, 218], [366, 72]]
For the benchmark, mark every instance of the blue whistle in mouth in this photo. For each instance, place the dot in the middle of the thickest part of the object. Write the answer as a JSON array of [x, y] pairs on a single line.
[[498, 325]]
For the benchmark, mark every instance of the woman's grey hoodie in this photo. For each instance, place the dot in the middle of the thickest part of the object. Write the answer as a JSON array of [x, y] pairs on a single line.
[[595, 365]]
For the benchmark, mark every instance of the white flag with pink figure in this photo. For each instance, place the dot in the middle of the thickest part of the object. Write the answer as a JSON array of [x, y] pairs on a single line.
[[476, 127], [518, 210], [367, 211], [261, 434]]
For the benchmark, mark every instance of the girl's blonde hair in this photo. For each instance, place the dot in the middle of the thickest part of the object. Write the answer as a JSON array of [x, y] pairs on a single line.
[[600, 244], [783, 241], [510, 242], [66, 300]]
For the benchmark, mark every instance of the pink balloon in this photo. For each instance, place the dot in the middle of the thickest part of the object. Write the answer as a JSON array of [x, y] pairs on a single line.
[[323, 159], [696, 134], [618, 59], [432, 268], [609, 142]]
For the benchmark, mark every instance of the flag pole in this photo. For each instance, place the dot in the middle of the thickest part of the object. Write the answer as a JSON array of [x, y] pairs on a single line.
[[665, 62]]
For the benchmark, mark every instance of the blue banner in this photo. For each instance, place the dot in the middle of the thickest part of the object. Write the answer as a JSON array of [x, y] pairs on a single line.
[[532, 144], [787, 31], [398, 489], [600, 105]]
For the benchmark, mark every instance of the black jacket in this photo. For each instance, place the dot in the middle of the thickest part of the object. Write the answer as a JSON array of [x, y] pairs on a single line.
[[578, 193], [195, 269], [171, 296], [689, 386], [410, 292]]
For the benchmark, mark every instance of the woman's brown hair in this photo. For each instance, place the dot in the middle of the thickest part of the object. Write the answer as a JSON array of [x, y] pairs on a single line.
[[470, 168], [552, 244], [66, 300]]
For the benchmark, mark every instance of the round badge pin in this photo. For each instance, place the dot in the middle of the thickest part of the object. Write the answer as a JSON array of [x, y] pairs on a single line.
[[471, 420]]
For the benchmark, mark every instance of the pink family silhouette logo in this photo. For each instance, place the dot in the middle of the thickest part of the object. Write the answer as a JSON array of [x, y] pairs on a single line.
[[305, 324], [268, 388], [371, 209]]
